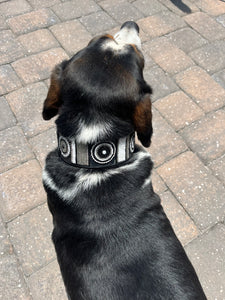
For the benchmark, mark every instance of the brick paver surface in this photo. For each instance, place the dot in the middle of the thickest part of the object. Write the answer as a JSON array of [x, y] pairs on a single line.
[[183, 43]]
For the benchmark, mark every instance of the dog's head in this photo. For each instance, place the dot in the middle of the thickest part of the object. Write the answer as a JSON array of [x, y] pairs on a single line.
[[101, 91]]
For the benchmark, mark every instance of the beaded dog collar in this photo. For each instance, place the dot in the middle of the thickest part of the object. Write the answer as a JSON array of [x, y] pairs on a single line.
[[98, 155]]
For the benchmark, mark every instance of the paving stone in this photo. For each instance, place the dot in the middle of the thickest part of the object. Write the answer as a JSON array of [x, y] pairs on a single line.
[[98, 22], [161, 24], [178, 109], [32, 21], [210, 57], [219, 77], [149, 8], [180, 8], [5, 244], [41, 3], [75, 9], [161, 83], [121, 11], [47, 283], [10, 49], [182, 224], [27, 105], [8, 80], [72, 35], [166, 143], [3, 24], [211, 7], [206, 137], [170, 58], [43, 143], [31, 237], [38, 67], [7, 118], [206, 26], [14, 7], [207, 254], [12, 285], [221, 20], [208, 94], [218, 167], [14, 148], [186, 39], [38, 41], [199, 192], [157, 183], [21, 189]]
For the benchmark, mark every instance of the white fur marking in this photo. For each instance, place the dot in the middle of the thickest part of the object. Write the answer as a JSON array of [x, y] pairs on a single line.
[[90, 133], [111, 44], [85, 181], [128, 36], [147, 181]]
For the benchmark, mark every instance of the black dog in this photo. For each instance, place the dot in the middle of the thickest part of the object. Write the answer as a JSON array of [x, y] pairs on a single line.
[[112, 238]]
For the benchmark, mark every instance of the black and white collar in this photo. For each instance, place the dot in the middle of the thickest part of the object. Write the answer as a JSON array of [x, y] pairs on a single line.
[[98, 155]]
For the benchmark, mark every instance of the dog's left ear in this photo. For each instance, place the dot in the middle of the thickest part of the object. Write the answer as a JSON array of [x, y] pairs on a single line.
[[53, 102], [142, 119]]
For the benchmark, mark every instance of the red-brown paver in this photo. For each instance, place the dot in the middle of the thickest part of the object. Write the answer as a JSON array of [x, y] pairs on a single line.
[[21, 190], [197, 83], [179, 109], [201, 194], [32, 21], [38, 67]]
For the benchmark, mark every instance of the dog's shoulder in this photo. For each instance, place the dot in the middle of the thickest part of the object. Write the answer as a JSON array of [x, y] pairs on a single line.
[[69, 181]]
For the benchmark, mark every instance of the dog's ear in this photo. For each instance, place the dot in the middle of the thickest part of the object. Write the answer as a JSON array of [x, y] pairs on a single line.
[[53, 102], [142, 119]]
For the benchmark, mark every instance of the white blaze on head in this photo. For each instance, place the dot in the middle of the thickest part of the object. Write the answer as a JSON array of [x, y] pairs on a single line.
[[128, 34]]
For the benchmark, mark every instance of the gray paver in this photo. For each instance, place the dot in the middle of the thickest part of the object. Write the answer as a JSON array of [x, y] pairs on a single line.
[[74, 9], [161, 83], [14, 148], [186, 39], [98, 22], [10, 48], [31, 237], [47, 283], [210, 57], [219, 77], [207, 254], [27, 104], [12, 285], [149, 8], [7, 118], [201, 194], [121, 11]]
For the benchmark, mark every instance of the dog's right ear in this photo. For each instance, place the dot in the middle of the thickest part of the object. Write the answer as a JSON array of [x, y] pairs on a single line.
[[53, 102]]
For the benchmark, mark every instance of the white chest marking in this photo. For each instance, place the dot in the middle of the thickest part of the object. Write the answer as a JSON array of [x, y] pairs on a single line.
[[86, 181]]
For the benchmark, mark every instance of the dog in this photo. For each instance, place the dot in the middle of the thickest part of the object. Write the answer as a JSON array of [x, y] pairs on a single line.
[[112, 238]]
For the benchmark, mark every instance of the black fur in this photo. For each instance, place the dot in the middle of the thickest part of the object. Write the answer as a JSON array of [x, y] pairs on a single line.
[[113, 240]]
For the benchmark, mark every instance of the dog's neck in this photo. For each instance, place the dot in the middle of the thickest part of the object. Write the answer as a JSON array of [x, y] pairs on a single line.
[[96, 155]]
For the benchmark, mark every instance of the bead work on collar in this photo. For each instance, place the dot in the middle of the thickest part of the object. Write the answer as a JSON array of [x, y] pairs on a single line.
[[97, 155]]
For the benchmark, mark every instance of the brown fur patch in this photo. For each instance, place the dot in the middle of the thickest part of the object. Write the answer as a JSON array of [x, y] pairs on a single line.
[[109, 36], [139, 54], [52, 102], [143, 120]]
